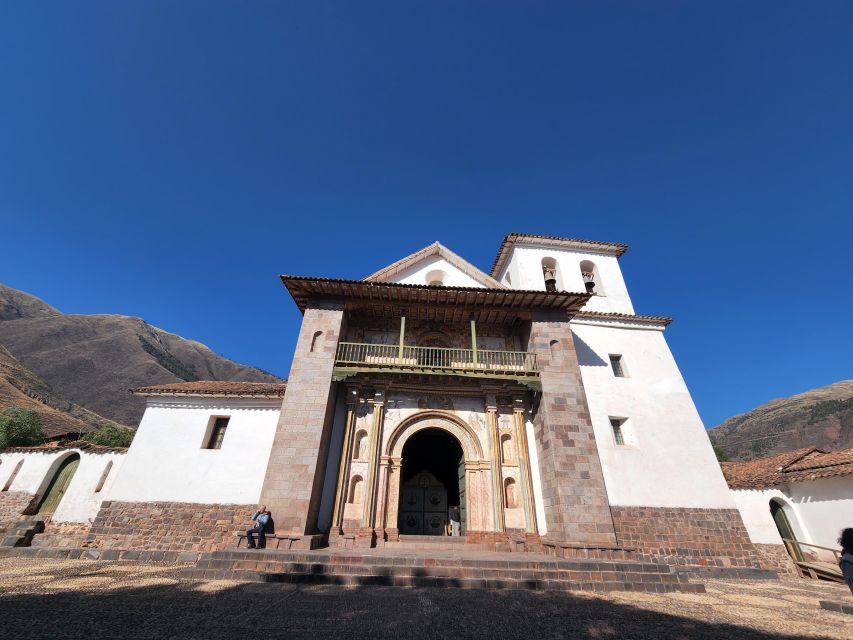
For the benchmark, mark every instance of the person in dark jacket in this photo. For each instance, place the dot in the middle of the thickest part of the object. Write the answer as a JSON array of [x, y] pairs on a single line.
[[846, 562], [261, 520]]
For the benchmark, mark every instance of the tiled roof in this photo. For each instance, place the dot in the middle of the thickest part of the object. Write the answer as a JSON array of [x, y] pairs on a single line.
[[50, 447], [215, 388], [614, 248], [784, 468], [626, 317]]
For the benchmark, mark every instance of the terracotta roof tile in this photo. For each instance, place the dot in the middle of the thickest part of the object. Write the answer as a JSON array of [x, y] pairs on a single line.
[[792, 466], [82, 445], [215, 388]]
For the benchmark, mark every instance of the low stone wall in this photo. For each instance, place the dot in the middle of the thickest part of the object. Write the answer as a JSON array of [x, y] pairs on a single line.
[[12, 505], [775, 557], [168, 526], [687, 537]]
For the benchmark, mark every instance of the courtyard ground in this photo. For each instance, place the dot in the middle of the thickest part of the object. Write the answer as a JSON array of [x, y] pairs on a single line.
[[60, 599]]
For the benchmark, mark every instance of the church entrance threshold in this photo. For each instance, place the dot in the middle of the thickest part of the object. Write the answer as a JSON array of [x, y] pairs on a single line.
[[433, 481]]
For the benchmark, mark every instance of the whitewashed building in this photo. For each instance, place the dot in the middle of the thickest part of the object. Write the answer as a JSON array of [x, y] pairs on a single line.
[[803, 496]]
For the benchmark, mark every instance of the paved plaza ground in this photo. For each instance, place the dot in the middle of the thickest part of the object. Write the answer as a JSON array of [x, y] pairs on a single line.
[[60, 599]]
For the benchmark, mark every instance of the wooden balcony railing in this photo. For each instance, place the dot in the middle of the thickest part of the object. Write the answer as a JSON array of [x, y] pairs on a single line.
[[353, 354]]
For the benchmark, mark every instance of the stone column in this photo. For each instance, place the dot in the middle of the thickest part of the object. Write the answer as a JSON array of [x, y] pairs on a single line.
[[524, 464], [381, 499], [575, 497], [392, 502], [474, 495], [346, 459], [369, 515], [293, 482], [495, 449]]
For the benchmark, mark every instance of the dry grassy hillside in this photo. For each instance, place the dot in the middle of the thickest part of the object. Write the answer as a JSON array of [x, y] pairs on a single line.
[[20, 387], [93, 360], [818, 418]]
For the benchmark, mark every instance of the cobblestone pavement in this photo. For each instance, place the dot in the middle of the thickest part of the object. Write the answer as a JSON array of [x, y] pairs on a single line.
[[60, 599]]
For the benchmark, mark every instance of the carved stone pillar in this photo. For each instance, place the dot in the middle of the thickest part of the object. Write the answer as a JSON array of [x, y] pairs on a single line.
[[369, 515], [524, 465], [346, 458], [495, 450], [392, 500], [381, 498]]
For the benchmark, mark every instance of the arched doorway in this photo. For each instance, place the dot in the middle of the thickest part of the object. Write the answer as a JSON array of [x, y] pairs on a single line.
[[786, 531], [432, 481], [58, 484]]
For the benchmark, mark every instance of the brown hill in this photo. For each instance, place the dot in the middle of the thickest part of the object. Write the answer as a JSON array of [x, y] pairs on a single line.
[[92, 360], [20, 387], [821, 418]]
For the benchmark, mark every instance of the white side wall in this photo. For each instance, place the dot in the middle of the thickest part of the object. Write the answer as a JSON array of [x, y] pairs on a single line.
[[824, 507], [668, 460], [417, 274], [80, 502], [525, 270], [167, 461], [754, 507]]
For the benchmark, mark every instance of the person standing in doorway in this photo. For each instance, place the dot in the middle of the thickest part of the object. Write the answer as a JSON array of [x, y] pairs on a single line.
[[846, 561], [455, 521]]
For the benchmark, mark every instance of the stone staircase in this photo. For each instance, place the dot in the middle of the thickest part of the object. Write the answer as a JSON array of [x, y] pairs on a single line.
[[434, 543], [21, 533], [439, 568]]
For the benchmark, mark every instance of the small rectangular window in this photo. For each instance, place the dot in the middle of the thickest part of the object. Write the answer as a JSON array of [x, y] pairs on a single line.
[[217, 433], [616, 364], [618, 435]]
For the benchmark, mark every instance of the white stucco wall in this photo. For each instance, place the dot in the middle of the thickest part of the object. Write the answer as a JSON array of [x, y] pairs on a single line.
[[417, 274], [754, 507], [824, 507], [80, 502], [668, 461], [525, 270], [167, 461]]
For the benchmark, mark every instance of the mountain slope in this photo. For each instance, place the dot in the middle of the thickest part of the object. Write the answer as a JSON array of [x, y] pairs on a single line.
[[92, 360], [20, 387], [820, 418], [16, 304]]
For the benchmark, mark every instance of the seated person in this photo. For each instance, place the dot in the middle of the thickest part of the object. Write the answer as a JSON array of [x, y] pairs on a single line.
[[261, 520]]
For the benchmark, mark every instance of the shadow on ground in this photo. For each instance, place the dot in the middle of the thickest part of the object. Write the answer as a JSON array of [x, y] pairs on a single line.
[[223, 610]]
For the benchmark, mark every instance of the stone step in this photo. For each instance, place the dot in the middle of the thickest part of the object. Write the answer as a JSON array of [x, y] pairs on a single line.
[[475, 571], [426, 543]]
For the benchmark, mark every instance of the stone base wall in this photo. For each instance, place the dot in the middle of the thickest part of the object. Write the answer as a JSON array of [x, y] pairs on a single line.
[[775, 557], [697, 537], [12, 506], [168, 526]]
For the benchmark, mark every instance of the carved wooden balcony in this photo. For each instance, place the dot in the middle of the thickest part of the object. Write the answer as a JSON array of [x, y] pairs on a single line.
[[353, 357]]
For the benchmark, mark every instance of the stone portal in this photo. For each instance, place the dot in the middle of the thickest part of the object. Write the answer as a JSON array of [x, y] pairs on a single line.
[[433, 479]]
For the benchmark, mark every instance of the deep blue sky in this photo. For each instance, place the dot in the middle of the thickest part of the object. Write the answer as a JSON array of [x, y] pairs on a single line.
[[169, 159]]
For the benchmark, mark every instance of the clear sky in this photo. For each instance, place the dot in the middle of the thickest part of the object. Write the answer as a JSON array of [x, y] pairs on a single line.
[[169, 159]]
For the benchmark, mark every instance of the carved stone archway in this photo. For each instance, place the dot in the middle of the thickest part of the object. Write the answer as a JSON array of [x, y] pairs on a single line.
[[478, 479]]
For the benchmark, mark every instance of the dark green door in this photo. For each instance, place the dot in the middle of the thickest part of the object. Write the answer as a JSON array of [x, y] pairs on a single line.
[[463, 503], [59, 485], [785, 529]]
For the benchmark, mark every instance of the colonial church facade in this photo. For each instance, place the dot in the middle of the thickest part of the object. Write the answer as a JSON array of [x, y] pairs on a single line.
[[531, 397]]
